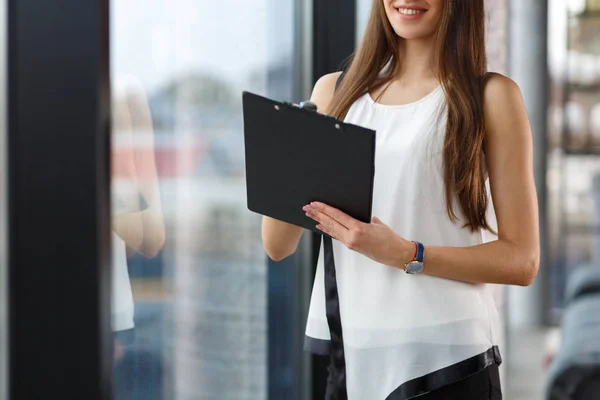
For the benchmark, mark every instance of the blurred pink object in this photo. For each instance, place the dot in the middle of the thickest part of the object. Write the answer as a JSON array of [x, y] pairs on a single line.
[[552, 346], [118, 351]]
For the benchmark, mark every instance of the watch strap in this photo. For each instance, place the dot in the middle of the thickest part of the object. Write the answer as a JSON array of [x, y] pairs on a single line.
[[420, 252]]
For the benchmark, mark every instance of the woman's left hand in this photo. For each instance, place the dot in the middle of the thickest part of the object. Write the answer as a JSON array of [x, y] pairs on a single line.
[[375, 240]]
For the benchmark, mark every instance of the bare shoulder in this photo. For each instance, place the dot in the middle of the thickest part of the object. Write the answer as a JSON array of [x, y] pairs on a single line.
[[500, 91], [503, 104], [323, 90]]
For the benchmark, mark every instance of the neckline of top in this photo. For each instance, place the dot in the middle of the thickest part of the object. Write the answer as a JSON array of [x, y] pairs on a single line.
[[413, 103]]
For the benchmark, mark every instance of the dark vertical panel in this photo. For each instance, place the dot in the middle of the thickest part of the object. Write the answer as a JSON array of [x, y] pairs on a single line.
[[3, 206], [334, 38], [334, 34], [282, 292], [59, 199]]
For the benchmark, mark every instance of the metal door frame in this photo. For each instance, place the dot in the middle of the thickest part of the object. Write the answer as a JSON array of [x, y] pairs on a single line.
[[58, 200]]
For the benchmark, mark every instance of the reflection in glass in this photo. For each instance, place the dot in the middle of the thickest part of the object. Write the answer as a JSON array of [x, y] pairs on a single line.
[[137, 221], [136, 208], [190, 307]]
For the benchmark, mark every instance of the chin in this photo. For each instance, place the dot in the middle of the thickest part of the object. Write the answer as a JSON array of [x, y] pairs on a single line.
[[413, 34]]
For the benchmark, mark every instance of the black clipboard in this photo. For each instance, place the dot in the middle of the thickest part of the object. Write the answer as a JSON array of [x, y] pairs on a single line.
[[295, 156]]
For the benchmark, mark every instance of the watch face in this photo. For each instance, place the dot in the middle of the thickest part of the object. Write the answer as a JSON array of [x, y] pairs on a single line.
[[414, 267]]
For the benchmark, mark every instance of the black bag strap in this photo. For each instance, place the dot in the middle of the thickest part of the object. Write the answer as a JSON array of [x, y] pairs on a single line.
[[337, 368], [340, 78], [345, 67]]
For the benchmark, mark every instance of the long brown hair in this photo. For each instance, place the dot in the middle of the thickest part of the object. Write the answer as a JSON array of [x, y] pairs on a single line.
[[461, 64]]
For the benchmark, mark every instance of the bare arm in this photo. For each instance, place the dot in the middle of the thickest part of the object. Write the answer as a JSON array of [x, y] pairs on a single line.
[[514, 257], [141, 228], [145, 166], [281, 239]]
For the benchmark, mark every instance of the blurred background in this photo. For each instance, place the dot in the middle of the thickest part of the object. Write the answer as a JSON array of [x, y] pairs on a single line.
[[197, 309]]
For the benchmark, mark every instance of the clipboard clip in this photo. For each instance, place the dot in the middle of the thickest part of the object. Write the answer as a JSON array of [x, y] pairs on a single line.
[[305, 105], [308, 106]]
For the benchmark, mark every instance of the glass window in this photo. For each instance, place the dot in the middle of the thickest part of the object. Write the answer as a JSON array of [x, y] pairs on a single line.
[[574, 144], [189, 270]]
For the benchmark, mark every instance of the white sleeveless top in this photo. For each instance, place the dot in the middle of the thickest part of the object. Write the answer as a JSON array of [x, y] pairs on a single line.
[[122, 296], [400, 329]]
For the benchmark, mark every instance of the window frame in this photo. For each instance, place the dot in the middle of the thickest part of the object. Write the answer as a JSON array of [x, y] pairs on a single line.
[[59, 227]]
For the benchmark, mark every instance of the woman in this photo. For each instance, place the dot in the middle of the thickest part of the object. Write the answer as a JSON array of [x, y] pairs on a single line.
[[137, 221], [449, 139]]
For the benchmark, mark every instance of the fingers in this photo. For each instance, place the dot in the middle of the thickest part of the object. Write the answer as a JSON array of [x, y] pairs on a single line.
[[327, 224], [336, 214], [336, 224]]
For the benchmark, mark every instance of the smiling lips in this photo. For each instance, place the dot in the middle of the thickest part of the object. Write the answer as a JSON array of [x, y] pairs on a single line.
[[410, 13]]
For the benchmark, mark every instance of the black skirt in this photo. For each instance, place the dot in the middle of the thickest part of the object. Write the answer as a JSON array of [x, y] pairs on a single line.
[[484, 385]]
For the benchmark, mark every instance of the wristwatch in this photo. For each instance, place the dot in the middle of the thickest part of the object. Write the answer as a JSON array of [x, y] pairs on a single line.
[[416, 266]]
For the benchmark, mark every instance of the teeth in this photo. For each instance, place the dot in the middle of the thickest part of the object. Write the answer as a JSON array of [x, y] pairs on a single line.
[[408, 11]]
